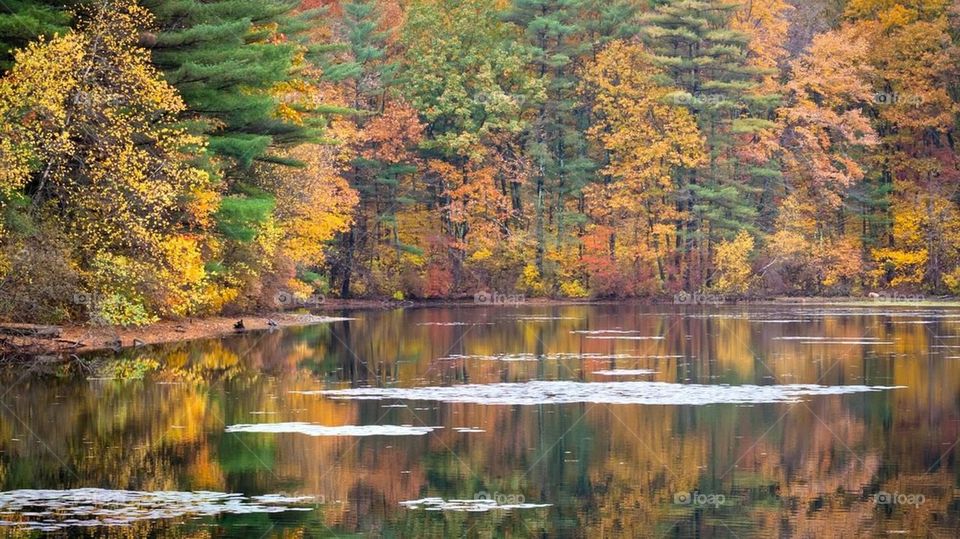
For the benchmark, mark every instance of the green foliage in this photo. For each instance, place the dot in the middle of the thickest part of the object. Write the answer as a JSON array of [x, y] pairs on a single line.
[[240, 217], [22, 21], [227, 58]]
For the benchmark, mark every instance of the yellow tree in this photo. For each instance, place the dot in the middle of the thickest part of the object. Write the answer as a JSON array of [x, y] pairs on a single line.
[[90, 135], [915, 58], [314, 202], [824, 131], [645, 139], [733, 273], [766, 25]]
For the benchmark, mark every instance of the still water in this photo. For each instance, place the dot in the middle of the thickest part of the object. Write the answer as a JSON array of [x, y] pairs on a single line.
[[570, 421]]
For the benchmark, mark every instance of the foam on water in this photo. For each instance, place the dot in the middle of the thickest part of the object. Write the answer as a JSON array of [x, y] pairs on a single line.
[[311, 429], [494, 357], [605, 331], [526, 356], [565, 392], [628, 337], [624, 372], [455, 324], [846, 342], [52, 510], [473, 506], [815, 338]]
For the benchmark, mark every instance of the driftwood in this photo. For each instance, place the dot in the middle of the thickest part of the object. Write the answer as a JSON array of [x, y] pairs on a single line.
[[12, 351], [71, 344], [30, 330]]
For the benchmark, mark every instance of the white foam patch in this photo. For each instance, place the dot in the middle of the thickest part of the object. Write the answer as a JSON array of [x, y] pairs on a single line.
[[53, 510], [847, 342], [494, 357], [311, 429], [590, 355], [526, 356], [455, 324], [628, 337], [544, 318], [473, 506], [624, 372], [605, 331], [565, 392], [833, 340], [815, 338]]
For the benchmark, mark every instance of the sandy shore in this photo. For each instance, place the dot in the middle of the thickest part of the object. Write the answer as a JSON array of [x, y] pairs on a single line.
[[80, 339]]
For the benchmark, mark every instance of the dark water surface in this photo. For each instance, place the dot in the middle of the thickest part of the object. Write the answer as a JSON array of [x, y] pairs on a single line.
[[477, 421]]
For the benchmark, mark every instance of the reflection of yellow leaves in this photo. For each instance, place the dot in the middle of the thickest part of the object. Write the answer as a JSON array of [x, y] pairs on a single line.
[[186, 421], [205, 472]]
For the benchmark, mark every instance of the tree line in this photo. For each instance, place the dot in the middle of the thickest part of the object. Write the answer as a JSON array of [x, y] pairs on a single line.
[[174, 158]]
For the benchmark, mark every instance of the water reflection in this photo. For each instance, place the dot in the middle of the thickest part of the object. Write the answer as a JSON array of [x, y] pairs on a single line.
[[831, 465]]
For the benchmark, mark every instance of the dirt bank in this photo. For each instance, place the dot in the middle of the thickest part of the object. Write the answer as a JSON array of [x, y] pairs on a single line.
[[80, 339]]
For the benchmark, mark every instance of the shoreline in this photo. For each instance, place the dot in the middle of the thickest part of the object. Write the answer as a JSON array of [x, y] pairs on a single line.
[[81, 339]]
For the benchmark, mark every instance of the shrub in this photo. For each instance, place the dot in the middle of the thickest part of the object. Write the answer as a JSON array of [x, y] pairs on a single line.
[[573, 289], [37, 282]]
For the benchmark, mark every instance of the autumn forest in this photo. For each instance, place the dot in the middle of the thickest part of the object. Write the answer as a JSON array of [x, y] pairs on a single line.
[[172, 158]]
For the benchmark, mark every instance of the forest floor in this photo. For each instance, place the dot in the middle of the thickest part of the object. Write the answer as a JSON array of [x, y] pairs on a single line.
[[76, 338]]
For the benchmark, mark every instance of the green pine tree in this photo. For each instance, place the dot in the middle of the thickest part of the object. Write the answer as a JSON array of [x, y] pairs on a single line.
[[226, 57], [553, 34], [562, 35], [367, 76], [22, 21], [707, 62]]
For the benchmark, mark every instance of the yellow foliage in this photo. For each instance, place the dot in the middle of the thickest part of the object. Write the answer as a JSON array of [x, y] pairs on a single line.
[[480, 255], [906, 267], [573, 289], [97, 123], [732, 261], [952, 281], [530, 281], [313, 202]]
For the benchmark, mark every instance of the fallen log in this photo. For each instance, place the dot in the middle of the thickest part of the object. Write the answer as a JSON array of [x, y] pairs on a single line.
[[30, 330]]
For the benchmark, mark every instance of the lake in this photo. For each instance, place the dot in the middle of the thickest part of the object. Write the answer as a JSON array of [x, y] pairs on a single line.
[[606, 420]]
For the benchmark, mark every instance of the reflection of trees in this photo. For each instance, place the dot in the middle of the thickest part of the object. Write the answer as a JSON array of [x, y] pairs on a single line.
[[804, 469]]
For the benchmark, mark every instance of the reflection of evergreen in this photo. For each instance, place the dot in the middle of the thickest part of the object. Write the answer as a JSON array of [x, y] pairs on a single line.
[[781, 467]]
